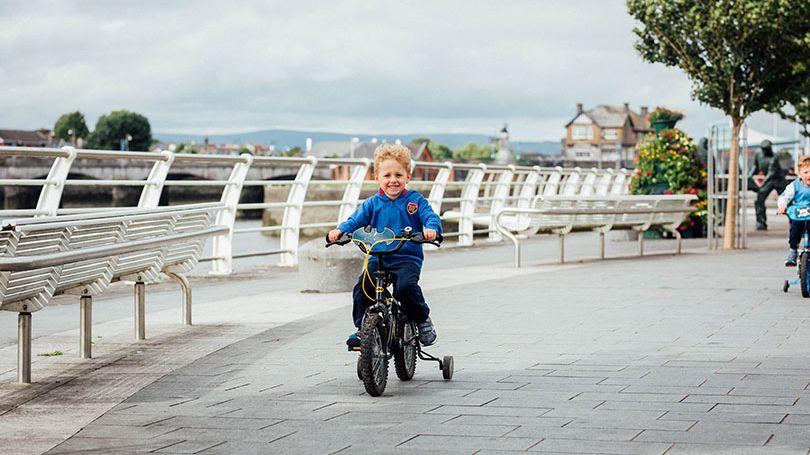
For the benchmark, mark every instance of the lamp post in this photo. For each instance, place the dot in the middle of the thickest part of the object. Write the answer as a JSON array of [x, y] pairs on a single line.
[[125, 142], [352, 145]]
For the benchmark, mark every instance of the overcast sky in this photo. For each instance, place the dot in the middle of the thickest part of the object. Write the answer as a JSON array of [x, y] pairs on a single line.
[[402, 67]]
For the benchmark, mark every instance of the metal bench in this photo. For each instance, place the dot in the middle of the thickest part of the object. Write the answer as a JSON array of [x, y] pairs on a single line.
[[82, 254], [563, 214]]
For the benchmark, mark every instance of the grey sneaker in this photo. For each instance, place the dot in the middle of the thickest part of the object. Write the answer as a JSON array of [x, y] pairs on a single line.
[[427, 333], [790, 261]]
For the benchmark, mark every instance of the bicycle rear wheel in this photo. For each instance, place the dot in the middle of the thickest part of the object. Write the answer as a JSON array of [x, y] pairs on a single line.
[[373, 362], [405, 359]]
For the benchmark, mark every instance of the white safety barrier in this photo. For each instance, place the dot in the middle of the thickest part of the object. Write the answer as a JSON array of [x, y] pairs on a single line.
[[468, 194], [82, 254], [563, 214]]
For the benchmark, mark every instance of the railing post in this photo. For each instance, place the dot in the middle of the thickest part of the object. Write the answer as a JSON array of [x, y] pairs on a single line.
[[469, 198], [150, 196], [51, 194], [24, 348], [351, 196], [140, 310], [498, 202], [439, 185], [86, 326], [527, 193], [222, 245], [291, 222]]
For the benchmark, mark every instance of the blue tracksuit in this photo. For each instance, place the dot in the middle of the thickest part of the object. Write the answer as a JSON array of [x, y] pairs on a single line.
[[410, 209]]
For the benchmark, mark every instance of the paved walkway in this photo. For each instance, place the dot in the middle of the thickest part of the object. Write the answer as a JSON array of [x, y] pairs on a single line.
[[693, 354]]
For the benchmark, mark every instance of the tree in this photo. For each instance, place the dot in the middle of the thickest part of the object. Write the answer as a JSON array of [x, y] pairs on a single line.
[[473, 152], [112, 131], [440, 151], [797, 109], [739, 54], [71, 127]]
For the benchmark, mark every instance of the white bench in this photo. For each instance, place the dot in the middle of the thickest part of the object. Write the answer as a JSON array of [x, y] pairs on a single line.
[[481, 209], [563, 214], [82, 254]]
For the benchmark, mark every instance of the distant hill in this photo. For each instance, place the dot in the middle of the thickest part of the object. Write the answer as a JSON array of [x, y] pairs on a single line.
[[283, 139]]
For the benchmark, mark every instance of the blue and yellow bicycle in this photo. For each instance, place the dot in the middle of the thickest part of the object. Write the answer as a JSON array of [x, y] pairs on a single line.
[[386, 332]]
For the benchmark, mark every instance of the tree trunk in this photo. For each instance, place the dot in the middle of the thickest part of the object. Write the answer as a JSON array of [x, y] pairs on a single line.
[[730, 223]]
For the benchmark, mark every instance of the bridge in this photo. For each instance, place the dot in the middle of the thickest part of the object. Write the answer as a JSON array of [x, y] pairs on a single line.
[[697, 353]]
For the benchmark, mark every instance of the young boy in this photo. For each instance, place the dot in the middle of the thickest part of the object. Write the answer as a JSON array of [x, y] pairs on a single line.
[[798, 193], [395, 207]]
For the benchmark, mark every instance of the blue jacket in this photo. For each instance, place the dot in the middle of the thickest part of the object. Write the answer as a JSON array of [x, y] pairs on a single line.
[[409, 209]]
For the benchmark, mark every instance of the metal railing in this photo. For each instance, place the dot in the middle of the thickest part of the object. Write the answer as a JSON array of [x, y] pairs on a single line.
[[460, 192]]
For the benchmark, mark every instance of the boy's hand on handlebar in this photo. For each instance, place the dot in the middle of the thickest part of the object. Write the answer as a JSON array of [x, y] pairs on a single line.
[[333, 235], [429, 234], [781, 210]]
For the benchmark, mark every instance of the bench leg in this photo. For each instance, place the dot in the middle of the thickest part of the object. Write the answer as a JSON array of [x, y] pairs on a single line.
[[641, 243], [186, 288], [24, 348], [562, 248], [86, 326], [601, 245], [140, 310], [678, 237]]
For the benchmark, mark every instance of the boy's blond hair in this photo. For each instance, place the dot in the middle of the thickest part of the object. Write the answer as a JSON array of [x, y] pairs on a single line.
[[803, 162], [397, 152]]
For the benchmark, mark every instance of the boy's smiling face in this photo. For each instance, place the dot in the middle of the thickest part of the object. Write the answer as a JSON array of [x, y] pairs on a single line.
[[804, 174], [392, 177]]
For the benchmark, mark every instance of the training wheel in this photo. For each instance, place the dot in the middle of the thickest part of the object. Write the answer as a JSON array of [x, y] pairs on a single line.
[[786, 286], [447, 367]]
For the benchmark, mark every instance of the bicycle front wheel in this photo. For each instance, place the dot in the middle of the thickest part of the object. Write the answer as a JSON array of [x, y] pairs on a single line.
[[803, 274], [373, 362]]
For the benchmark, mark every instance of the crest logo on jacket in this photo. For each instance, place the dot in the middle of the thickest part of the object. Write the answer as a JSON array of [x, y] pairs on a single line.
[[412, 207]]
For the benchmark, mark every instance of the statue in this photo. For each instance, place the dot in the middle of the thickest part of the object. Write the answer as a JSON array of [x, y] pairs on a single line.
[[767, 163]]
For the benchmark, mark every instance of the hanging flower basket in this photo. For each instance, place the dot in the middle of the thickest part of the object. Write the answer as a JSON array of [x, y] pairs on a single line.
[[661, 125], [663, 119]]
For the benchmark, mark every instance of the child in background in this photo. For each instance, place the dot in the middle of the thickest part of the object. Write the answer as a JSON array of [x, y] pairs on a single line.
[[796, 193]]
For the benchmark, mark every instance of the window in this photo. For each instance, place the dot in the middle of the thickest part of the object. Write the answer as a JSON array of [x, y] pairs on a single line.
[[583, 154], [610, 133], [582, 132]]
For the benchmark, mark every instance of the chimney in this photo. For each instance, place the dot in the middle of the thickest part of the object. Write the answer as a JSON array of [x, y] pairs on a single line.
[[644, 112], [627, 108], [579, 108], [309, 145]]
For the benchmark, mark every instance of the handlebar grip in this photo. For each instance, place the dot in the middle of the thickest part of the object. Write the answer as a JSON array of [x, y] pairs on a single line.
[[344, 238]]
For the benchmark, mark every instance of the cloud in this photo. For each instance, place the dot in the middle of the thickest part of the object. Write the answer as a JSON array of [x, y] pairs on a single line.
[[398, 67]]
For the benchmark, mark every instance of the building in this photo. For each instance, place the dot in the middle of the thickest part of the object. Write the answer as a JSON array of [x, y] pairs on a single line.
[[604, 135], [24, 138]]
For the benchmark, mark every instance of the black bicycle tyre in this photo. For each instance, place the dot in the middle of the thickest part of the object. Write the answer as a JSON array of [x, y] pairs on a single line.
[[405, 359], [803, 259], [373, 361]]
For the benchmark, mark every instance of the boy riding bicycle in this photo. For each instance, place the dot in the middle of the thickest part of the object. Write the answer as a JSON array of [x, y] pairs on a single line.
[[796, 193], [396, 208]]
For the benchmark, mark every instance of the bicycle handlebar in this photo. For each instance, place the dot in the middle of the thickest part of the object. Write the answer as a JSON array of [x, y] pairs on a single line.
[[407, 235]]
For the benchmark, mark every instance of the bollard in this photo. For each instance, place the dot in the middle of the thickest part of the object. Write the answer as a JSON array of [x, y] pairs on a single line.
[[24, 348], [140, 310], [86, 326]]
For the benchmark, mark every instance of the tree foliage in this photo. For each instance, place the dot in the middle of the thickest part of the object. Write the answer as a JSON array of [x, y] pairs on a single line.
[[116, 125], [473, 152], [70, 126], [440, 151], [741, 56]]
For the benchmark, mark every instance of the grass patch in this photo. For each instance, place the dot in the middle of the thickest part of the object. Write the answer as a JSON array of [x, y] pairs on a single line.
[[50, 354]]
